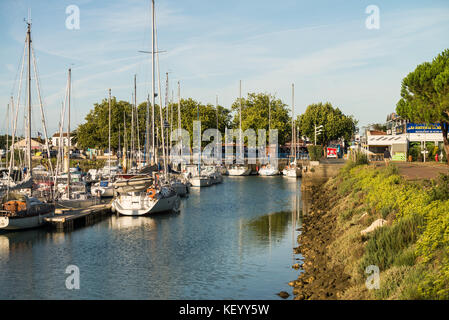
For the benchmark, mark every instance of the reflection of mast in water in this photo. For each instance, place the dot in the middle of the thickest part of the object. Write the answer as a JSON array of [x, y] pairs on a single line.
[[296, 216], [269, 232], [240, 240]]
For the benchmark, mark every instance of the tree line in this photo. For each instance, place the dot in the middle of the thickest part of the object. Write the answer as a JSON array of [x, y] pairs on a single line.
[[259, 111]]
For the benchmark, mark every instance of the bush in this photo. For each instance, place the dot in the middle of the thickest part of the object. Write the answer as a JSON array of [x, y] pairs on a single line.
[[440, 191], [315, 152], [414, 151], [361, 158], [386, 244]]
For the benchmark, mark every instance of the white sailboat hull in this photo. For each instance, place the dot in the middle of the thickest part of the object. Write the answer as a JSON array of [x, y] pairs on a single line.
[[268, 172], [16, 223], [292, 173], [106, 192], [244, 171], [139, 205], [200, 181]]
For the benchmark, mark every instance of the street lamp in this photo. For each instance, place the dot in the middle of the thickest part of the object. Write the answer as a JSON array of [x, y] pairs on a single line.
[[318, 130]]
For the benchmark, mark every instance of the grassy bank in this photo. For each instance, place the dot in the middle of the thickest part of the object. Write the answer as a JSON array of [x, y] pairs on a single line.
[[411, 250]]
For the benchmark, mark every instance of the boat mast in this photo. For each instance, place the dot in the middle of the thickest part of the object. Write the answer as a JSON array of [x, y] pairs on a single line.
[[171, 116], [160, 108], [147, 132], [7, 137], [153, 97], [119, 146], [29, 162], [132, 132], [68, 134], [167, 116], [179, 118], [293, 146], [240, 122], [109, 138], [125, 144], [199, 141], [216, 109], [138, 158]]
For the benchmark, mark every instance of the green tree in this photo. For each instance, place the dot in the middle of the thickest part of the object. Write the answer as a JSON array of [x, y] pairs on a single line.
[[3, 141], [335, 124], [379, 127], [255, 115], [95, 131], [425, 94], [207, 115]]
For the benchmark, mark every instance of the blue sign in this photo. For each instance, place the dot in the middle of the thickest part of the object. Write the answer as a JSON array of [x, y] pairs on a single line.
[[423, 128]]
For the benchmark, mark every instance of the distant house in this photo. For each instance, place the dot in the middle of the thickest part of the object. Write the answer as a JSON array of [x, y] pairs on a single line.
[[57, 141], [22, 144]]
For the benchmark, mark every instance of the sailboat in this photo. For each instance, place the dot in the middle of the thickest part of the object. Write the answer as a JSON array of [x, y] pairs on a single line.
[[196, 177], [240, 169], [268, 170], [20, 211], [180, 185], [104, 188], [144, 194], [73, 193], [146, 201], [292, 170]]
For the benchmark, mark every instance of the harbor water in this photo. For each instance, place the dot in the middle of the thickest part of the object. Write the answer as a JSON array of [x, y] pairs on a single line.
[[230, 241]]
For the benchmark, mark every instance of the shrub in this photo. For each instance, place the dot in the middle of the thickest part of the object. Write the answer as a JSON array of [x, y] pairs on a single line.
[[390, 281], [440, 191], [387, 242], [361, 158]]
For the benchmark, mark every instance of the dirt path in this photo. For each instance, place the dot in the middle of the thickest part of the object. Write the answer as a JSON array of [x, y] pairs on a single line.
[[419, 170]]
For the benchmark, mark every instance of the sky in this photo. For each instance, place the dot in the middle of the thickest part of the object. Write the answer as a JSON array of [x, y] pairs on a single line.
[[323, 47]]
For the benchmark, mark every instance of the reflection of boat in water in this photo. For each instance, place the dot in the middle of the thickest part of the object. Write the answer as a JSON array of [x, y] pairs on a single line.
[[4, 246], [22, 212], [127, 222]]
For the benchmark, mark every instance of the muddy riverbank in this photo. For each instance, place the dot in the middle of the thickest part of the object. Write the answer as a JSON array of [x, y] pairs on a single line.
[[319, 280]]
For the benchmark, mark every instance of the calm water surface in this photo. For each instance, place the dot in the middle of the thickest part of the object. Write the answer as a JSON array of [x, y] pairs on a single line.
[[230, 241]]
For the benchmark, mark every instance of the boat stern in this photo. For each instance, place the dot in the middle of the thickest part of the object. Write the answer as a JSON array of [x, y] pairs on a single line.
[[4, 222]]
